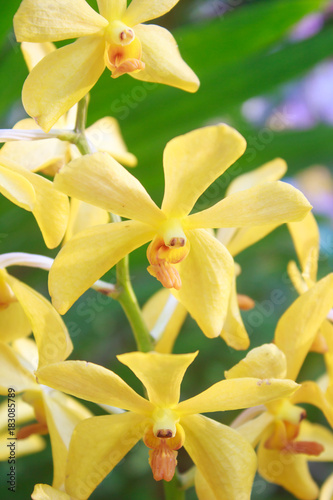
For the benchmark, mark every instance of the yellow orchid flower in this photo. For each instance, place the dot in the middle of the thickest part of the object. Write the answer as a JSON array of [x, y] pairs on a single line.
[[49, 155], [23, 414], [286, 441], [23, 310], [115, 38], [56, 413], [183, 255], [165, 425]]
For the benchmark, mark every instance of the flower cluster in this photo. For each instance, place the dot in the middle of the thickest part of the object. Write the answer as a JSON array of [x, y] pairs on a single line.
[[74, 181]]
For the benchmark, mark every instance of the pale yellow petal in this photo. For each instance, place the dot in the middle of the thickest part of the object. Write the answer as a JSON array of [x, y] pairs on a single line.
[[36, 21], [253, 430], [327, 489], [61, 421], [27, 446], [116, 435], [52, 338], [89, 255], [168, 332], [100, 180], [106, 136], [161, 374], [206, 276], [326, 329], [244, 237], [202, 488], [12, 373], [82, 215], [224, 458], [298, 327], [62, 79], [93, 383], [309, 392], [263, 362], [296, 278], [269, 203], [112, 9], [14, 323], [318, 434], [140, 11], [34, 155], [237, 393], [34, 52], [305, 235], [234, 332], [271, 171], [24, 413], [162, 59], [288, 470], [193, 161], [46, 492], [51, 208], [16, 188]]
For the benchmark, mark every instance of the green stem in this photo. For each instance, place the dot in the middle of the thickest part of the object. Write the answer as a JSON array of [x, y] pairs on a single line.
[[172, 489], [81, 115], [129, 303]]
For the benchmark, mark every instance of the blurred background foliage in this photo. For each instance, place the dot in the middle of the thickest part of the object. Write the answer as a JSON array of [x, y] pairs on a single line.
[[265, 69]]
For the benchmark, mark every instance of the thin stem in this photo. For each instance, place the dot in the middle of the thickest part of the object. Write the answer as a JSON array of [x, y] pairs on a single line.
[[172, 489], [131, 307], [81, 115]]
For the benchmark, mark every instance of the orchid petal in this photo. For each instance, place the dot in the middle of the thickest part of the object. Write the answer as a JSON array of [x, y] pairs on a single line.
[[93, 383], [271, 171], [77, 66], [16, 188], [152, 311], [255, 428], [82, 216], [244, 237], [51, 207], [34, 155], [34, 52], [309, 392], [105, 135], [12, 373], [224, 458], [237, 393], [52, 338], [161, 374], [186, 162], [118, 434], [289, 470], [112, 9], [140, 11], [89, 255], [46, 492], [162, 59], [327, 489], [234, 332], [14, 323], [263, 362], [206, 276], [296, 277], [270, 203], [202, 488], [59, 20], [305, 235], [298, 327], [100, 180]]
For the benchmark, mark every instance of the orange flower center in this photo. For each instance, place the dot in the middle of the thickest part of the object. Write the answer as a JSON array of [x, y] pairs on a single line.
[[162, 256], [162, 453], [284, 437], [123, 50]]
